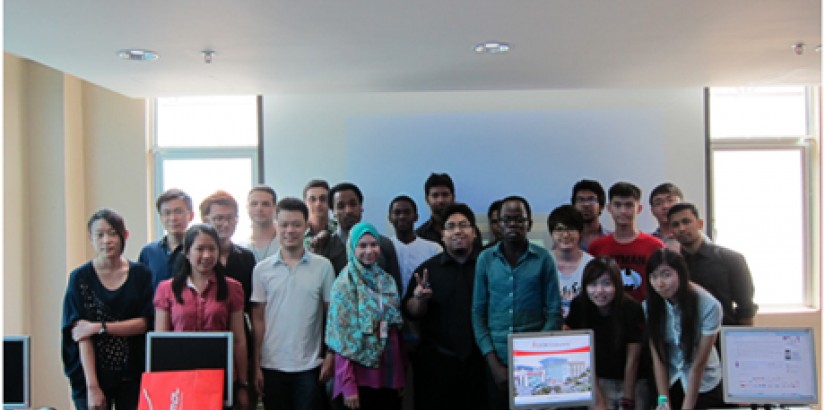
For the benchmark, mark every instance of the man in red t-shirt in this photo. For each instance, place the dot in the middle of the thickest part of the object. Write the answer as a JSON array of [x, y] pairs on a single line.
[[629, 246]]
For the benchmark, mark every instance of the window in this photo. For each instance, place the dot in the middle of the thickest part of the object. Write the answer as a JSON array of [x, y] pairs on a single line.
[[202, 144], [762, 143]]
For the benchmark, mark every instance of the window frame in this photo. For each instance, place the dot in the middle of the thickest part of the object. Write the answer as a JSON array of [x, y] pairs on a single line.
[[808, 148], [161, 154]]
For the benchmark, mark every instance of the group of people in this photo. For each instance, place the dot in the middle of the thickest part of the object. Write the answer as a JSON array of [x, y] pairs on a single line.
[[329, 313]]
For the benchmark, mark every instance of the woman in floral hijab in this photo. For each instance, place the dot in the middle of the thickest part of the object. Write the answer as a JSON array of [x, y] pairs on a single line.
[[363, 328]]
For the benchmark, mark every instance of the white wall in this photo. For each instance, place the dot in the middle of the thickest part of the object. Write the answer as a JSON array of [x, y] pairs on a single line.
[[371, 140]]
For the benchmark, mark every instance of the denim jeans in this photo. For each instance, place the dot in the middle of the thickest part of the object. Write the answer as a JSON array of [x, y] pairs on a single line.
[[292, 391]]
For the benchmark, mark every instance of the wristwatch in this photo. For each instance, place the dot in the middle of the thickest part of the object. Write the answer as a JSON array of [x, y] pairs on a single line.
[[103, 330]]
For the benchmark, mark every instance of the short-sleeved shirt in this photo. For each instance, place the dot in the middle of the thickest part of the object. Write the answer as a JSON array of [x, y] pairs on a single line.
[[294, 313], [412, 254], [710, 321], [116, 357], [200, 311], [611, 354], [570, 285], [512, 299], [632, 259]]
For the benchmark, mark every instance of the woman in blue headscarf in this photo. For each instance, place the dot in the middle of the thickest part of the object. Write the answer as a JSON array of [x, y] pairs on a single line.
[[363, 328]]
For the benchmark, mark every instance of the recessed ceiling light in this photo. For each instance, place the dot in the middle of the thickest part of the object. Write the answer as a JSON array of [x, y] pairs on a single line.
[[492, 47], [134, 54]]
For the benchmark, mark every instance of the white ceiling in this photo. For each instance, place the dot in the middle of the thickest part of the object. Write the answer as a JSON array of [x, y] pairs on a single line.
[[285, 46]]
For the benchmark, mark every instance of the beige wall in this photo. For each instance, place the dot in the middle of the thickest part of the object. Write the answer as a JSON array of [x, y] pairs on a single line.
[[69, 148]]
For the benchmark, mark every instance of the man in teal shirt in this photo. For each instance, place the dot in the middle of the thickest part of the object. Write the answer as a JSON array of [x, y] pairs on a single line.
[[516, 290]]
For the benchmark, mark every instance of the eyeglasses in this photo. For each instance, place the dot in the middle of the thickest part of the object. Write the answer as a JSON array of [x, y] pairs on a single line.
[[175, 211], [561, 229], [590, 200], [518, 220], [451, 226], [222, 218]]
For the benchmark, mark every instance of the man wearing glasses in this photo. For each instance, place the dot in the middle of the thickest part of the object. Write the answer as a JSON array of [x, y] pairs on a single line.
[[221, 211], [661, 199], [515, 291], [588, 198], [448, 367], [175, 209]]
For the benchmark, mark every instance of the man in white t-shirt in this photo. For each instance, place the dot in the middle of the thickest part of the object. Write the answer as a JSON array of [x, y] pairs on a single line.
[[290, 292], [411, 249]]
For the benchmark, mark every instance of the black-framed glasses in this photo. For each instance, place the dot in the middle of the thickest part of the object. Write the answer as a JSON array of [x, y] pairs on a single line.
[[451, 226]]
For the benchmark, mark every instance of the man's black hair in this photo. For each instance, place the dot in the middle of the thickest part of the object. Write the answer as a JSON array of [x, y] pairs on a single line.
[[589, 185], [435, 180], [404, 198], [344, 186]]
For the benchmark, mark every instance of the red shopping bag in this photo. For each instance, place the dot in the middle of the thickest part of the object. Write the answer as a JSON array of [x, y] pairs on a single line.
[[182, 390]]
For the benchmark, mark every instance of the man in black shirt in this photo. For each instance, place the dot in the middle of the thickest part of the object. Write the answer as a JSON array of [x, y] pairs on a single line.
[[723, 272], [449, 369]]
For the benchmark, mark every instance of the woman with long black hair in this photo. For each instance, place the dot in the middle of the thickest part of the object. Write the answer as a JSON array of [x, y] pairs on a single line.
[[201, 298], [618, 323], [106, 312], [683, 320]]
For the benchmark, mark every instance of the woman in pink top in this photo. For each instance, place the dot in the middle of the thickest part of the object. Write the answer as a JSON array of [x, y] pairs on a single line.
[[363, 328], [201, 298]]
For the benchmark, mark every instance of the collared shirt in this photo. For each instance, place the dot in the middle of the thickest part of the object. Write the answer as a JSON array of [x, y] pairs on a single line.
[[602, 233], [429, 231], [332, 226], [710, 321], [294, 313], [200, 311], [447, 323], [506, 299], [725, 274], [159, 259]]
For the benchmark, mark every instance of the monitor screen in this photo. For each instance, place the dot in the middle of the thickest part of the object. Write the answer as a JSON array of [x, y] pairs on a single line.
[[16, 370], [191, 351], [768, 365], [551, 369]]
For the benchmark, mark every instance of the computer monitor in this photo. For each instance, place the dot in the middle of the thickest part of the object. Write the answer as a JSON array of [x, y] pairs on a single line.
[[192, 351], [16, 372], [768, 365], [551, 369]]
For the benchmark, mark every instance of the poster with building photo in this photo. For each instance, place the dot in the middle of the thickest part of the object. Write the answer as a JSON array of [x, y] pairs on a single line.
[[551, 369]]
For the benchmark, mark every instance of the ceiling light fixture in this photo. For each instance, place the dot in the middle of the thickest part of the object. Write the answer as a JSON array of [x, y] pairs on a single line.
[[492, 47], [134, 54], [208, 55]]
